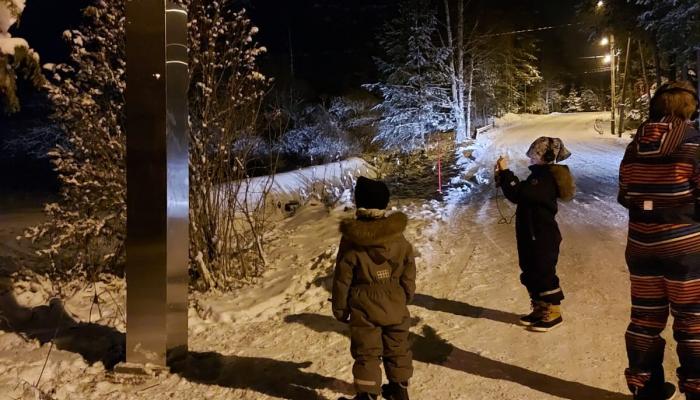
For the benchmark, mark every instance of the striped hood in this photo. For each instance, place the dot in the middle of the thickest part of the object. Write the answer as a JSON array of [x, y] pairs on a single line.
[[660, 139], [659, 173]]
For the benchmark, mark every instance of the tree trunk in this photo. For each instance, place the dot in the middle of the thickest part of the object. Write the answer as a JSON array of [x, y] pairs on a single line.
[[291, 53], [624, 88], [697, 70], [657, 64], [460, 69], [457, 109], [644, 70], [672, 68], [469, 97]]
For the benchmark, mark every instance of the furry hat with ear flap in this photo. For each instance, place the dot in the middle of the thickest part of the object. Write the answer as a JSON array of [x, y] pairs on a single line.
[[548, 150]]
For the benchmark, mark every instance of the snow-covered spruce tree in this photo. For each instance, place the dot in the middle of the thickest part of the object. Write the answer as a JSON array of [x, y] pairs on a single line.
[[590, 100], [85, 231], [517, 68], [16, 57], [416, 82], [675, 24], [227, 212], [506, 72], [573, 102]]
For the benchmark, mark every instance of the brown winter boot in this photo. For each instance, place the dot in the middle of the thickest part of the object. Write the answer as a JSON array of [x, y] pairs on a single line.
[[551, 318], [395, 391], [538, 309], [362, 396]]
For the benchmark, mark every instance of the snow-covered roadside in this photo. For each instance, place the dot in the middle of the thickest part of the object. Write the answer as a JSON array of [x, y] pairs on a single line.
[[307, 183], [277, 339]]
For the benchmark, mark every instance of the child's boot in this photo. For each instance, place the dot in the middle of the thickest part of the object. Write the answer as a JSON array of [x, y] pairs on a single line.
[[667, 391], [362, 396], [395, 391], [551, 318], [538, 309], [692, 396]]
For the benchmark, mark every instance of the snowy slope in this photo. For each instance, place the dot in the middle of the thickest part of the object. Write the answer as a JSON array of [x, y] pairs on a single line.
[[302, 184], [278, 340]]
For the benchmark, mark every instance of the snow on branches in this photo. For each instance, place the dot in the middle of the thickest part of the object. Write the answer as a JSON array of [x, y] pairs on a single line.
[[10, 10], [328, 132], [226, 222], [86, 228], [416, 78], [674, 23], [15, 57]]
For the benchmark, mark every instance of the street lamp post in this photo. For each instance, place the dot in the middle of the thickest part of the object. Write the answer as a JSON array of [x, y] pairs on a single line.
[[611, 59]]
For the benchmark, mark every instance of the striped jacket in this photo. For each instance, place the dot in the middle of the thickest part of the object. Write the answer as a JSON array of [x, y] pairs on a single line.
[[660, 174]]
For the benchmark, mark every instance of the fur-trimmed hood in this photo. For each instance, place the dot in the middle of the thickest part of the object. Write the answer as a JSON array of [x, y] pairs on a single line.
[[565, 181], [375, 232]]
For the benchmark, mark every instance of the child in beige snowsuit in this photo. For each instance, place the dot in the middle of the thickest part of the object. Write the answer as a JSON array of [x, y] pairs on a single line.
[[374, 281]]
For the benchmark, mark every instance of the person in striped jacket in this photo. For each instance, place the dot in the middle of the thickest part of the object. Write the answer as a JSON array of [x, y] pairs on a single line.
[[660, 185]]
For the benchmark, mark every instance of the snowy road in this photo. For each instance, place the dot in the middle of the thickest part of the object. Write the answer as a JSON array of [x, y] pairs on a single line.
[[497, 359], [466, 342], [278, 339]]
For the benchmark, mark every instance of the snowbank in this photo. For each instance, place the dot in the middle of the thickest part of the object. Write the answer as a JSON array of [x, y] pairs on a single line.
[[302, 184]]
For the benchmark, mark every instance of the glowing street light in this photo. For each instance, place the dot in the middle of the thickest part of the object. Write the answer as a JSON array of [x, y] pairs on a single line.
[[607, 59], [604, 41], [600, 4]]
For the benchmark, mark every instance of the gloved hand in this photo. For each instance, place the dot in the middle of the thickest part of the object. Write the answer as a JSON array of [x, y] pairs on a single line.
[[501, 164]]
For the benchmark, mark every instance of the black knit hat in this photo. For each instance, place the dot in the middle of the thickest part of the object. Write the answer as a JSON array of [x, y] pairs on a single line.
[[371, 194]]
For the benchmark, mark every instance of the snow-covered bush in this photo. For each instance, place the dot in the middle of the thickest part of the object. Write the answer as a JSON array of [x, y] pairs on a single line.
[[537, 106], [357, 116], [226, 224], [85, 231], [317, 139], [315, 145], [416, 84], [323, 134], [16, 57], [590, 101]]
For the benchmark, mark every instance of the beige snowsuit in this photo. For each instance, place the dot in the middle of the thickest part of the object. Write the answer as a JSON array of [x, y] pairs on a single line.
[[374, 280]]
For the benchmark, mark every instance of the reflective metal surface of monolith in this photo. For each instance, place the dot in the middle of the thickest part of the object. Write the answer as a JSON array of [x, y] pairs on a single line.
[[177, 82], [157, 183]]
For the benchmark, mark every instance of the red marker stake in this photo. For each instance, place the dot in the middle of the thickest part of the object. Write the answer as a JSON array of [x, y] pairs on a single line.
[[439, 169]]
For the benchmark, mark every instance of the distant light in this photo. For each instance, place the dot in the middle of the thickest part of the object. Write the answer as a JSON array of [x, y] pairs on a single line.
[[601, 3], [607, 59], [604, 41]]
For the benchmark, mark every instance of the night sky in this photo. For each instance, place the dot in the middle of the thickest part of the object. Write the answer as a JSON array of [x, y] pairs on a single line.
[[333, 41]]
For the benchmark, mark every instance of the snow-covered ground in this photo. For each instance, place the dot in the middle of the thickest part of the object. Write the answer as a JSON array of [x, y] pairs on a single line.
[[278, 339], [304, 184]]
